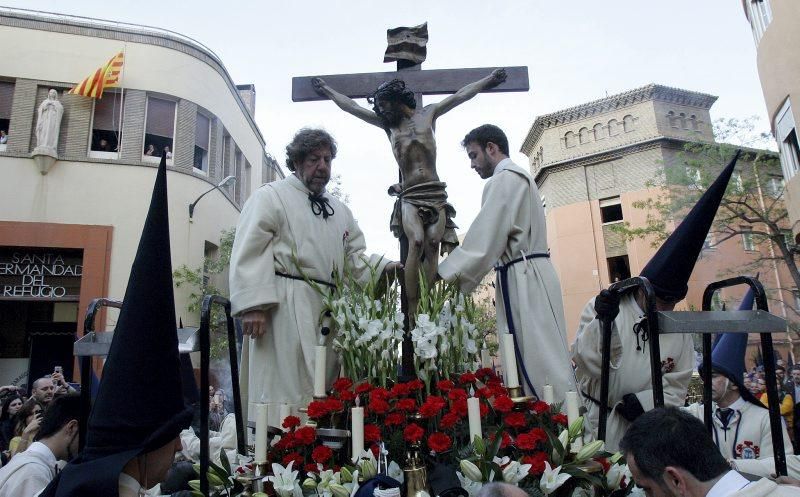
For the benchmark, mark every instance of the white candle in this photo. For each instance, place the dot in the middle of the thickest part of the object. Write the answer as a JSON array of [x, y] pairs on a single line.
[[486, 358], [261, 433], [319, 371], [572, 402], [510, 361], [285, 412], [357, 432], [474, 412], [548, 395]]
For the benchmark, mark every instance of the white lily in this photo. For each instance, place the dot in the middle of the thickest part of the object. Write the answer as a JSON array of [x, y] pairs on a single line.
[[614, 475], [367, 464], [552, 479], [515, 472], [395, 471], [471, 486], [470, 470], [284, 480]]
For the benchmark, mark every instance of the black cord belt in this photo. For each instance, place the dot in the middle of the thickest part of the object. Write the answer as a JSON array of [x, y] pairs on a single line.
[[534, 255], [300, 278]]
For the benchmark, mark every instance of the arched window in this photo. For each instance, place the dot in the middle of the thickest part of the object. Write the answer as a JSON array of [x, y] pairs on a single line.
[[599, 131], [693, 120], [570, 139], [682, 119], [613, 127], [627, 123], [673, 121], [583, 135]]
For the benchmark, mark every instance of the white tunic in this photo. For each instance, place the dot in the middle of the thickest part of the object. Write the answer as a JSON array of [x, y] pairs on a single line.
[[630, 368], [510, 225], [28, 472], [748, 435], [277, 225]]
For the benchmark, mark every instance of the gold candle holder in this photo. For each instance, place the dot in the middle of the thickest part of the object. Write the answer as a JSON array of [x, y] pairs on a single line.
[[415, 474]]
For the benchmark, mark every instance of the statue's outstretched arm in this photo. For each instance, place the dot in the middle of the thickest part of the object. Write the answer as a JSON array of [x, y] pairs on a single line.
[[346, 103], [495, 78]]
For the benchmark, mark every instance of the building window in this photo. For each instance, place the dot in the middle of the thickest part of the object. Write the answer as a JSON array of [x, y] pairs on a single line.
[[682, 120], [748, 243], [583, 135], [202, 132], [775, 187], [618, 268], [786, 135], [610, 210], [693, 177], [237, 185], [159, 128], [6, 99], [627, 123], [106, 121], [716, 302], [796, 294], [569, 139], [695, 125], [760, 15], [246, 180], [613, 129], [599, 132], [673, 121], [210, 256], [708, 243], [738, 183]]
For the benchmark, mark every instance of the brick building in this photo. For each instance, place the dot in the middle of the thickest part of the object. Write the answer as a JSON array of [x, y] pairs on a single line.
[[70, 235], [591, 163]]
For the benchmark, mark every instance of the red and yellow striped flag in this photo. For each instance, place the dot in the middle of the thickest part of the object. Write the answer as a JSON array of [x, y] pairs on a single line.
[[104, 77]]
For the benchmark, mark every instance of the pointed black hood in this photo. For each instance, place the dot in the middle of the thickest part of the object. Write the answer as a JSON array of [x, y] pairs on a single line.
[[139, 405], [671, 266]]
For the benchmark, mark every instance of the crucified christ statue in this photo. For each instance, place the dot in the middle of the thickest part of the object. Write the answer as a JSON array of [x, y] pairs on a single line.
[[421, 211]]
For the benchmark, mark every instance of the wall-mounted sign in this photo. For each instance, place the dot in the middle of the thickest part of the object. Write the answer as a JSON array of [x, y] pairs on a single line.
[[32, 273]]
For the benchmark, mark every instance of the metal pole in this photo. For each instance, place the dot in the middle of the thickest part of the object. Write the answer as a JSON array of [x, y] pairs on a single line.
[[205, 349]]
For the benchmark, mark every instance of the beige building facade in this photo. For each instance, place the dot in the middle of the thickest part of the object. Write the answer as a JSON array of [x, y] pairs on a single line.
[[776, 32], [70, 235], [593, 162]]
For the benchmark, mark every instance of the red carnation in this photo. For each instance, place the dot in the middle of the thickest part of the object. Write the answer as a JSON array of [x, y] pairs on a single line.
[[394, 419], [484, 409], [604, 463], [379, 393], [372, 433], [363, 388], [318, 409], [292, 457], [560, 419], [515, 419], [311, 468], [416, 384], [305, 435], [347, 396], [445, 385], [378, 406], [439, 442], [449, 420], [525, 442], [467, 378], [457, 394], [538, 434], [401, 389], [536, 461], [503, 403], [432, 406], [334, 405], [413, 433], [505, 442], [342, 384], [287, 441], [460, 407], [539, 407], [321, 454], [290, 422], [406, 405], [484, 373], [483, 392]]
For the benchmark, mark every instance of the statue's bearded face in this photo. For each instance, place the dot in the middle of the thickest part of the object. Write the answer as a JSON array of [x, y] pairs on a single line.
[[315, 170], [390, 111]]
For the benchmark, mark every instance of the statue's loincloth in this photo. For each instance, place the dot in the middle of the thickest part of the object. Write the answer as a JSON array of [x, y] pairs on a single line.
[[429, 198]]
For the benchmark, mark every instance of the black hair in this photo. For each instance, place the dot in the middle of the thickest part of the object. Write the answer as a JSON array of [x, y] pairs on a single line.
[[61, 411], [392, 91], [483, 135], [4, 415], [668, 436], [26, 410], [306, 141]]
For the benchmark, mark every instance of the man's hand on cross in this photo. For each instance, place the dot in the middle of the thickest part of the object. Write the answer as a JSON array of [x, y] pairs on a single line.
[[499, 75], [318, 84]]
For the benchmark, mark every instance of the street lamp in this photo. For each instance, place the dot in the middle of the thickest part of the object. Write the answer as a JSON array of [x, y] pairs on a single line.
[[228, 179]]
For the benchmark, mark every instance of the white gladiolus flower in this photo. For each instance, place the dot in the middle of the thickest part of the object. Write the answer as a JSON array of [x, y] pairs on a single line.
[[552, 479]]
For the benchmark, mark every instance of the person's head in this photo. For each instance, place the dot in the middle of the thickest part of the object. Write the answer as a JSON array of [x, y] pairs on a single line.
[[29, 411], [59, 427], [52, 94], [166, 148], [724, 391], [11, 404], [151, 148], [392, 101], [762, 385], [486, 146], [796, 375], [152, 467], [2, 132], [43, 390], [669, 453], [780, 374], [309, 156], [500, 489]]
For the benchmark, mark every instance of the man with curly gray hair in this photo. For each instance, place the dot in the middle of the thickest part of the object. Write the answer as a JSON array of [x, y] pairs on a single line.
[[290, 230]]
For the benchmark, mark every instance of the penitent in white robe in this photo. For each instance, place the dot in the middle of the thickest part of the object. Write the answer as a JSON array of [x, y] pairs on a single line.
[[510, 225], [748, 435], [630, 368], [276, 222]]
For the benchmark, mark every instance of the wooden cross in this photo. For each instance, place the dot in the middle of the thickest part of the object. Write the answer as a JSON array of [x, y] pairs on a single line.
[[421, 82]]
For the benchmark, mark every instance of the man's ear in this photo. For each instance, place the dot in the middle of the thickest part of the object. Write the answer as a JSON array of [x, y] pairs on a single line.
[[675, 479], [72, 426], [491, 148]]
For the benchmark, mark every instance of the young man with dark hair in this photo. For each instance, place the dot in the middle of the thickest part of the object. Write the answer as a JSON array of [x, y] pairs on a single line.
[[670, 453], [30, 471], [509, 234]]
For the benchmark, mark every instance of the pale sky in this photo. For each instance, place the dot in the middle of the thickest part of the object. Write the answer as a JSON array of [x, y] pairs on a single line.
[[576, 51]]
